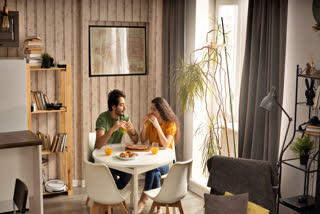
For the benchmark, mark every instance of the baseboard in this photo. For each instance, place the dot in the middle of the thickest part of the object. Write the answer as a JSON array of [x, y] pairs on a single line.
[[78, 183], [198, 188]]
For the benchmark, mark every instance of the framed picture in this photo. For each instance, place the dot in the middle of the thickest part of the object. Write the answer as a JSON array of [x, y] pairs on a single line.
[[117, 50]]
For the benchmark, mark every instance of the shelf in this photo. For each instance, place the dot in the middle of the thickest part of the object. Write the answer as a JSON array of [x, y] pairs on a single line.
[[48, 69], [293, 203], [48, 111], [295, 163], [47, 152], [308, 76], [46, 194]]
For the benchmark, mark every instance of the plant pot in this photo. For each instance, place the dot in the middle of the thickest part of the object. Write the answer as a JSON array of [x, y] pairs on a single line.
[[46, 64], [304, 159]]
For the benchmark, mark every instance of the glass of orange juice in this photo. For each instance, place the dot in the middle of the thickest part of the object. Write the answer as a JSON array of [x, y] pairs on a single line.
[[108, 149], [155, 148]]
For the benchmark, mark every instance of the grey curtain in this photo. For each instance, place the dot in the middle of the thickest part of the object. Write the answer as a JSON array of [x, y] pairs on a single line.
[[264, 60], [173, 50]]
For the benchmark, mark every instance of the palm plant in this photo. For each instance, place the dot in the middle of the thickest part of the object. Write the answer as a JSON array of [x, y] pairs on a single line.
[[208, 77]]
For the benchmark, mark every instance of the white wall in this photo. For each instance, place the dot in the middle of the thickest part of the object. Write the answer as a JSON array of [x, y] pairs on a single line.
[[302, 45]]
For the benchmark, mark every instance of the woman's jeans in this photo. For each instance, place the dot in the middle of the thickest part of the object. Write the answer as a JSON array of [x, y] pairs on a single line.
[[153, 177]]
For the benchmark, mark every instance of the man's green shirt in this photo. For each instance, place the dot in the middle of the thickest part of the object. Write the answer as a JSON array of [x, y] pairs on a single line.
[[105, 122]]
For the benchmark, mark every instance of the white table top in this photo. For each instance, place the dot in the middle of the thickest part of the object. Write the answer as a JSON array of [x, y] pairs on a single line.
[[143, 159]]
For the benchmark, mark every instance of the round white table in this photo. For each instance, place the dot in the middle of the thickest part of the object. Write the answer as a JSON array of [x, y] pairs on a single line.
[[144, 162]]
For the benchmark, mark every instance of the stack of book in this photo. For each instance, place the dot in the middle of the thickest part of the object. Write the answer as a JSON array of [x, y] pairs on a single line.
[[40, 99], [59, 142], [313, 130], [33, 49]]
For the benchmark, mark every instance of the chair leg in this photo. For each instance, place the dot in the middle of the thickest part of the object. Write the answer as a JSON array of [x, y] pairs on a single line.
[[93, 208], [167, 209], [87, 201], [109, 209], [123, 208], [124, 203], [153, 206], [180, 207]]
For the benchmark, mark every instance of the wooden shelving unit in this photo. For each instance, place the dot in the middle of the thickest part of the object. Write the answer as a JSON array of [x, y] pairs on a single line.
[[65, 121]]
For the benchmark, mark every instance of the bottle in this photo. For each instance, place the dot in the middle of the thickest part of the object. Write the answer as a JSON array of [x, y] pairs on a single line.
[[5, 18]]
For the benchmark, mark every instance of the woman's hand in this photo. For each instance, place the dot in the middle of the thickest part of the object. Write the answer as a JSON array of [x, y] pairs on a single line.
[[154, 121]]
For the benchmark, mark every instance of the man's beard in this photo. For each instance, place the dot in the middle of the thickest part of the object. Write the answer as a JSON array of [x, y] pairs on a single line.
[[119, 113]]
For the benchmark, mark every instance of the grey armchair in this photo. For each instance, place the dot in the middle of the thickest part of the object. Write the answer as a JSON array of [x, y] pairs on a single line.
[[238, 175]]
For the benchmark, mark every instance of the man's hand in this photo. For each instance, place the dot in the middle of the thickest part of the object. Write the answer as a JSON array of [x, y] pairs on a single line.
[[119, 124], [130, 128]]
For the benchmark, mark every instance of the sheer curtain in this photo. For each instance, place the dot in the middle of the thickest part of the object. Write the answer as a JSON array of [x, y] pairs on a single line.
[[264, 60]]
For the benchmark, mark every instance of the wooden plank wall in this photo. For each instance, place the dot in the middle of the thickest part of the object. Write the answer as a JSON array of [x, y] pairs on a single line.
[[63, 27]]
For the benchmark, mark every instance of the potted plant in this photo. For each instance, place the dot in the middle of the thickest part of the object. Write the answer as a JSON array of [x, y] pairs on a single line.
[[303, 147], [201, 78], [46, 60]]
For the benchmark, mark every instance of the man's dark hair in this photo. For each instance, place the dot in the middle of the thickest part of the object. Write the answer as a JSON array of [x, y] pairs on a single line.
[[113, 98]]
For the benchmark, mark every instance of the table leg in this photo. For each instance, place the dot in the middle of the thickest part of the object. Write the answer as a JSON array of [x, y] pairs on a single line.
[[135, 199]]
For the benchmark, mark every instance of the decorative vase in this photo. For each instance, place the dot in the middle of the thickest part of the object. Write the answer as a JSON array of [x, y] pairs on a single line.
[[304, 159]]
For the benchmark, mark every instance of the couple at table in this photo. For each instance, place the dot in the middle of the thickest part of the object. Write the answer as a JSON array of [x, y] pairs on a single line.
[[163, 128]]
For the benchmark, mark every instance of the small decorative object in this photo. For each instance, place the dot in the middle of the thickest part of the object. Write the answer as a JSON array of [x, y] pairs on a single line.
[[308, 69], [316, 14], [62, 64], [54, 106], [46, 60], [303, 147], [310, 92], [5, 25]]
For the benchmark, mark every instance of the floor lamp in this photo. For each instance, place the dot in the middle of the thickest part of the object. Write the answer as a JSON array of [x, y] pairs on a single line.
[[267, 104]]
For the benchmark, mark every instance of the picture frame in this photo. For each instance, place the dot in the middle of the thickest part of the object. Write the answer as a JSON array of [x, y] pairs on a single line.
[[117, 50]]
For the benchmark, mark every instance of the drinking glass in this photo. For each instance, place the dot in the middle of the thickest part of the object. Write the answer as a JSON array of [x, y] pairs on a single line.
[[155, 148], [108, 149]]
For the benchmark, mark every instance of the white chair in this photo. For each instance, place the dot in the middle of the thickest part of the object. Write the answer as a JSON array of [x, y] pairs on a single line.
[[102, 189], [174, 188], [170, 164], [91, 145]]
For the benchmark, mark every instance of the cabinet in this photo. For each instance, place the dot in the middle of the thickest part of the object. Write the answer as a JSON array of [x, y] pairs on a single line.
[[65, 121], [310, 204]]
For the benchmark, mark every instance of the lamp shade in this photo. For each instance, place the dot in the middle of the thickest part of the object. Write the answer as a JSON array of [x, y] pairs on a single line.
[[268, 100]]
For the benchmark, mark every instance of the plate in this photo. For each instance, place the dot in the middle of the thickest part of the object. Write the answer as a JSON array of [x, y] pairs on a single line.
[[121, 158]]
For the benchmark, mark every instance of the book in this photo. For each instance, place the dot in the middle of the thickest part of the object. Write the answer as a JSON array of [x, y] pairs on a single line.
[[312, 128], [33, 56], [33, 51]]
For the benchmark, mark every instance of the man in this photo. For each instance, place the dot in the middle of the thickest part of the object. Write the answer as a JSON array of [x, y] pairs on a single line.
[[109, 130]]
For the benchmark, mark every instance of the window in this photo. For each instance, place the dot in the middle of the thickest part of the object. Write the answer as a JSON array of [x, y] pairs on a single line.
[[232, 12]]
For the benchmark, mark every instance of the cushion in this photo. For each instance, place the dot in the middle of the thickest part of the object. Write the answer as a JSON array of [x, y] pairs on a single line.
[[225, 204], [253, 208]]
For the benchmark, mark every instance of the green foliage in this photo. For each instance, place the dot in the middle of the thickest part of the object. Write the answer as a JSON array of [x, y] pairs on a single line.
[[200, 79], [303, 146], [46, 57]]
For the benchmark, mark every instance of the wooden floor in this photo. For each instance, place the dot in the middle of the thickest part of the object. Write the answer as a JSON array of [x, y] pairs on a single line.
[[75, 203]]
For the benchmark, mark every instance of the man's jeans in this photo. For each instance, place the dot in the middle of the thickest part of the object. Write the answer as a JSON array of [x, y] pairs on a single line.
[[153, 177], [121, 178]]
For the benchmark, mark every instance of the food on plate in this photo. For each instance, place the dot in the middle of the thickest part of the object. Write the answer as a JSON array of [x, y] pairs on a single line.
[[136, 146], [127, 154]]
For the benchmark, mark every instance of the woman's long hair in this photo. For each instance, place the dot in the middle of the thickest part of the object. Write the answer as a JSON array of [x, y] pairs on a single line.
[[167, 114]]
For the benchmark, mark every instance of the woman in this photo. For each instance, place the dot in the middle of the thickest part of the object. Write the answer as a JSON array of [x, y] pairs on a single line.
[[160, 126]]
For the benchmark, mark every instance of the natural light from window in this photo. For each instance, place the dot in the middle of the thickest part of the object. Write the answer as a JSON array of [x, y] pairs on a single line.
[[230, 11]]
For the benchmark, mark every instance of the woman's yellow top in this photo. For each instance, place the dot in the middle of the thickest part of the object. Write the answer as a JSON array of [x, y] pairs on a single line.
[[168, 128]]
